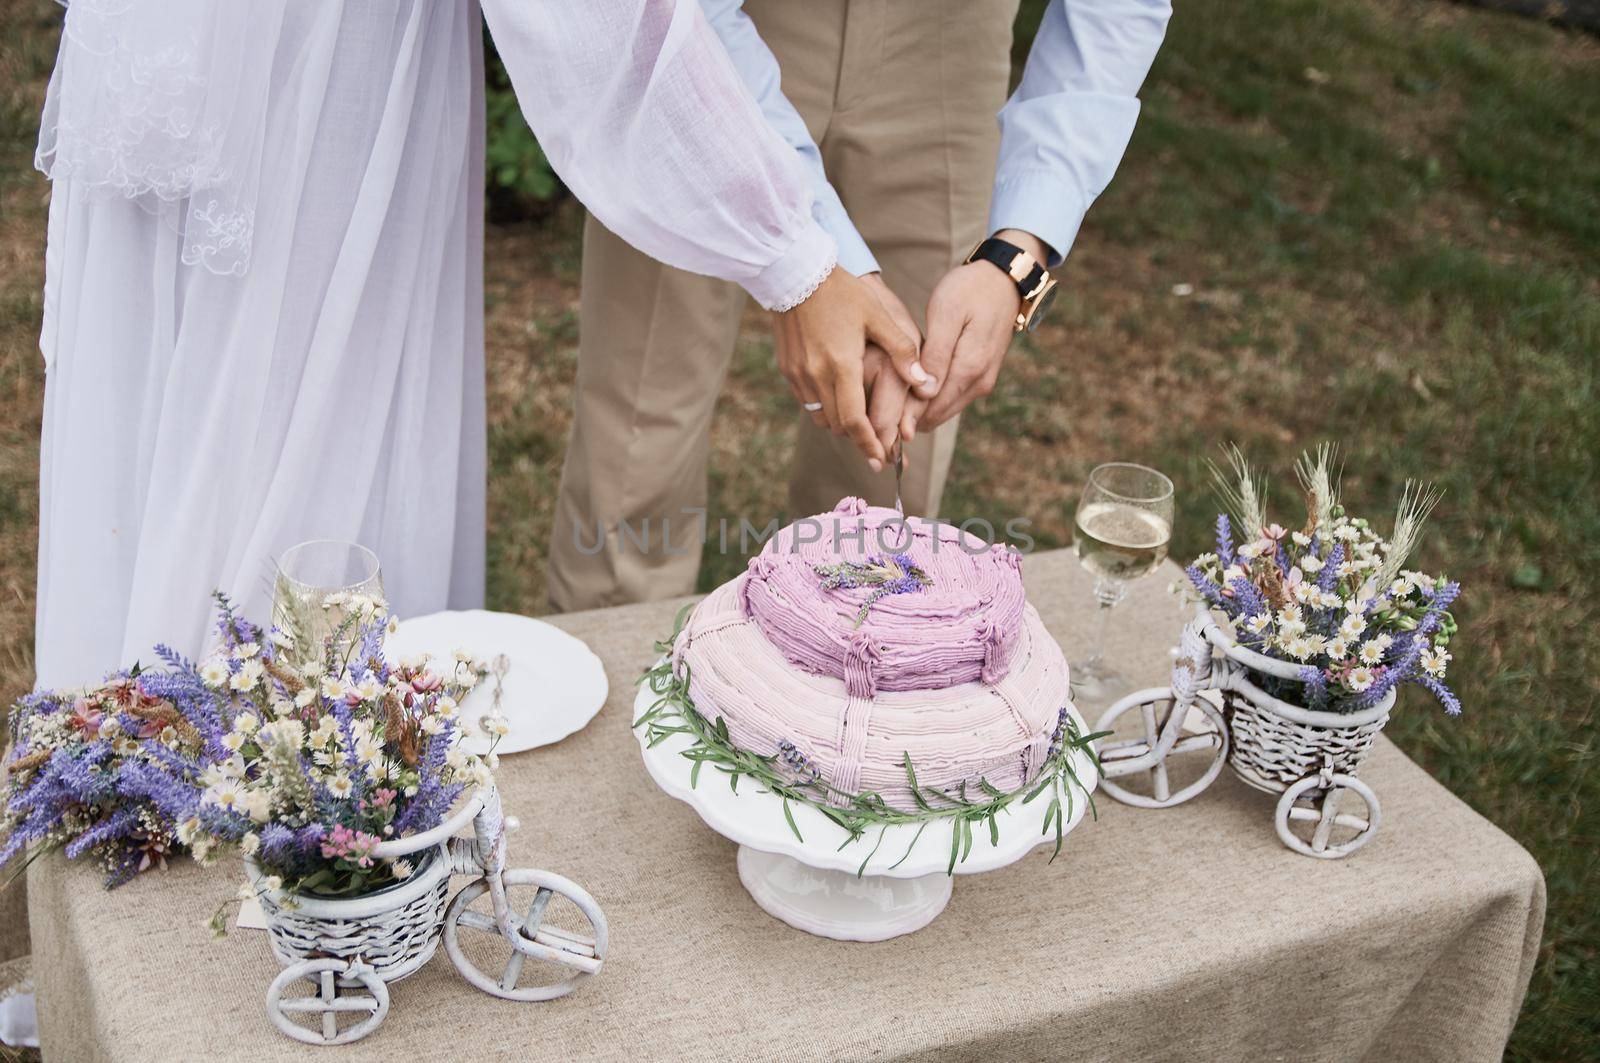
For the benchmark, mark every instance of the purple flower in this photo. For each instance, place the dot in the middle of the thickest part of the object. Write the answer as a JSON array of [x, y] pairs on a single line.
[[1224, 540]]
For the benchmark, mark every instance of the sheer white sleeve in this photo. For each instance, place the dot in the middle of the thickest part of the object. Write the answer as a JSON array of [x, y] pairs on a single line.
[[759, 68], [640, 111]]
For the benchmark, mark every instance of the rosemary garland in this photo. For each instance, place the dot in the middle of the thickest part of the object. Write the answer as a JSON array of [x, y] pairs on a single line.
[[788, 775]]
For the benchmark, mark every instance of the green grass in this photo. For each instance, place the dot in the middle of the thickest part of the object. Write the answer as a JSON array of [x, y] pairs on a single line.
[[1389, 213]]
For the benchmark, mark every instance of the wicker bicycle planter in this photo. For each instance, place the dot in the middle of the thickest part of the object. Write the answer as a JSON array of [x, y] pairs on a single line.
[[394, 930], [1216, 708], [1276, 743], [351, 948]]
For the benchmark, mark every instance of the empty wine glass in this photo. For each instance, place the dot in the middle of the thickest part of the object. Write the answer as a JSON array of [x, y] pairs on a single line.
[[323, 592], [1121, 533]]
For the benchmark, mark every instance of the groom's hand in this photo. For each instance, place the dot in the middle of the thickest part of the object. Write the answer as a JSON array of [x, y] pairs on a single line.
[[821, 349], [972, 316]]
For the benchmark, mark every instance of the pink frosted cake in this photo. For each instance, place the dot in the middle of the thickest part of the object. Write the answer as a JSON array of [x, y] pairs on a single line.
[[856, 639]]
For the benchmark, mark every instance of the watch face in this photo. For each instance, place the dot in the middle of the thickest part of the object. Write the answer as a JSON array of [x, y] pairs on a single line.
[[1041, 305]]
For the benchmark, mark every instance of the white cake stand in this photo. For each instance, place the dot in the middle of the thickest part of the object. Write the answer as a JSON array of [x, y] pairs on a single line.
[[814, 885]]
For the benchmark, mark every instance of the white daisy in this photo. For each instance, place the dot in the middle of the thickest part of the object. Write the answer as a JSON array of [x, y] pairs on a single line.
[[305, 697], [1360, 678], [1434, 661], [246, 650], [340, 786], [334, 688], [214, 673], [225, 794], [402, 868], [250, 843], [233, 741]]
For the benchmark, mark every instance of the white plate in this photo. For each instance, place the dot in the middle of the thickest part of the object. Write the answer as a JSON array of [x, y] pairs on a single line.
[[755, 818], [555, 685]]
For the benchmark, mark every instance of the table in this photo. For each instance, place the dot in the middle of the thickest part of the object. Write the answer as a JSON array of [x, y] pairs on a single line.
[[1182, 933]]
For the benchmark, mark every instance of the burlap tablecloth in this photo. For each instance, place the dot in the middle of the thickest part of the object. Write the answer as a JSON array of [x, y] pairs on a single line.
[[1186, 933]]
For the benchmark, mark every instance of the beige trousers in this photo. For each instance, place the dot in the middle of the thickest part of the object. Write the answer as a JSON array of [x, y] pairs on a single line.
[[900, 96]]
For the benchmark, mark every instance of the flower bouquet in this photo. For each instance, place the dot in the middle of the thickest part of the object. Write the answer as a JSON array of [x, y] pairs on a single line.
[[111, 770], [304, 767], [1335, 619]]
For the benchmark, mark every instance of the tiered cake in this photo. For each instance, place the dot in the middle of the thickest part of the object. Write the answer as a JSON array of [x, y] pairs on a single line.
[[856, 639]]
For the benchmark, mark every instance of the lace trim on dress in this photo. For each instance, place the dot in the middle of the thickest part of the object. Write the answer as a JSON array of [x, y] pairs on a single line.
[[161, 102], [811, 286]]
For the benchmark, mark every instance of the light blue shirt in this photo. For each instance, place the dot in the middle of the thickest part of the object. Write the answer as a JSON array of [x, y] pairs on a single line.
[[1062, 133]]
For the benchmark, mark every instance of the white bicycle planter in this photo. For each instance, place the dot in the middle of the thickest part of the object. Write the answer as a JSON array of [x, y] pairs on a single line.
[[1213, 713], [350, 949]]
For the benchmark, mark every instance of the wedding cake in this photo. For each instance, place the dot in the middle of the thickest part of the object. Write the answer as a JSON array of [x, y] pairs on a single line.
[[859, 639]]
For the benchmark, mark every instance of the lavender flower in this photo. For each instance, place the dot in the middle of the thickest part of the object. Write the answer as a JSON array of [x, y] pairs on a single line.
[[797, 762], [894, 574]]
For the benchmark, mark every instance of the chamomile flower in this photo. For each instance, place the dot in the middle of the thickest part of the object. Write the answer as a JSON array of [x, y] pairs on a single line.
[[246, 650], [250, 843], [1360, 678], [214, 673], [402, 868], [340, 786], [1434, 661], [226, 794]]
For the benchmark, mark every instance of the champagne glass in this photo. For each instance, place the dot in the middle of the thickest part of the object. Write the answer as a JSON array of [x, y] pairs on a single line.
[[318, 595], [1120, 534]]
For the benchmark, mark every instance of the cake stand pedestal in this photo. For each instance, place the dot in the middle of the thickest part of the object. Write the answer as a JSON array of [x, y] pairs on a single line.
[[815, 885], [838, 904]]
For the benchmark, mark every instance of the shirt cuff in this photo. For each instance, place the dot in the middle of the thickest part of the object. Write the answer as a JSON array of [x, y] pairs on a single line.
[[854, 255], [1042, 204], [789, 281]]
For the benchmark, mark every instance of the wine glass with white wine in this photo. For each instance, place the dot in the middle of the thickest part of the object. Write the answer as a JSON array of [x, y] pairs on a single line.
[[1121, 533]]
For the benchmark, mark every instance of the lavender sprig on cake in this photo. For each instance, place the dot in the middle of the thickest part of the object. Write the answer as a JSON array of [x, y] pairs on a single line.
[[894, 574]]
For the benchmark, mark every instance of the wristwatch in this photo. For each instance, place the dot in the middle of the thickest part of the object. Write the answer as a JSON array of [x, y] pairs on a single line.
[[1033, 281]]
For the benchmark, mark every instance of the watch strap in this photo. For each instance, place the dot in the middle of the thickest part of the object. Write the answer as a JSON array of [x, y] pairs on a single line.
[[1026, 273]]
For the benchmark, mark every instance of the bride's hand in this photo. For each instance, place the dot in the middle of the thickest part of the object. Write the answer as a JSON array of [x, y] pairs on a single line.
[[821, 346]]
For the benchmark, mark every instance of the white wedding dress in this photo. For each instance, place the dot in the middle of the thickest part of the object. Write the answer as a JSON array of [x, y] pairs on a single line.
[[263, 304]]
